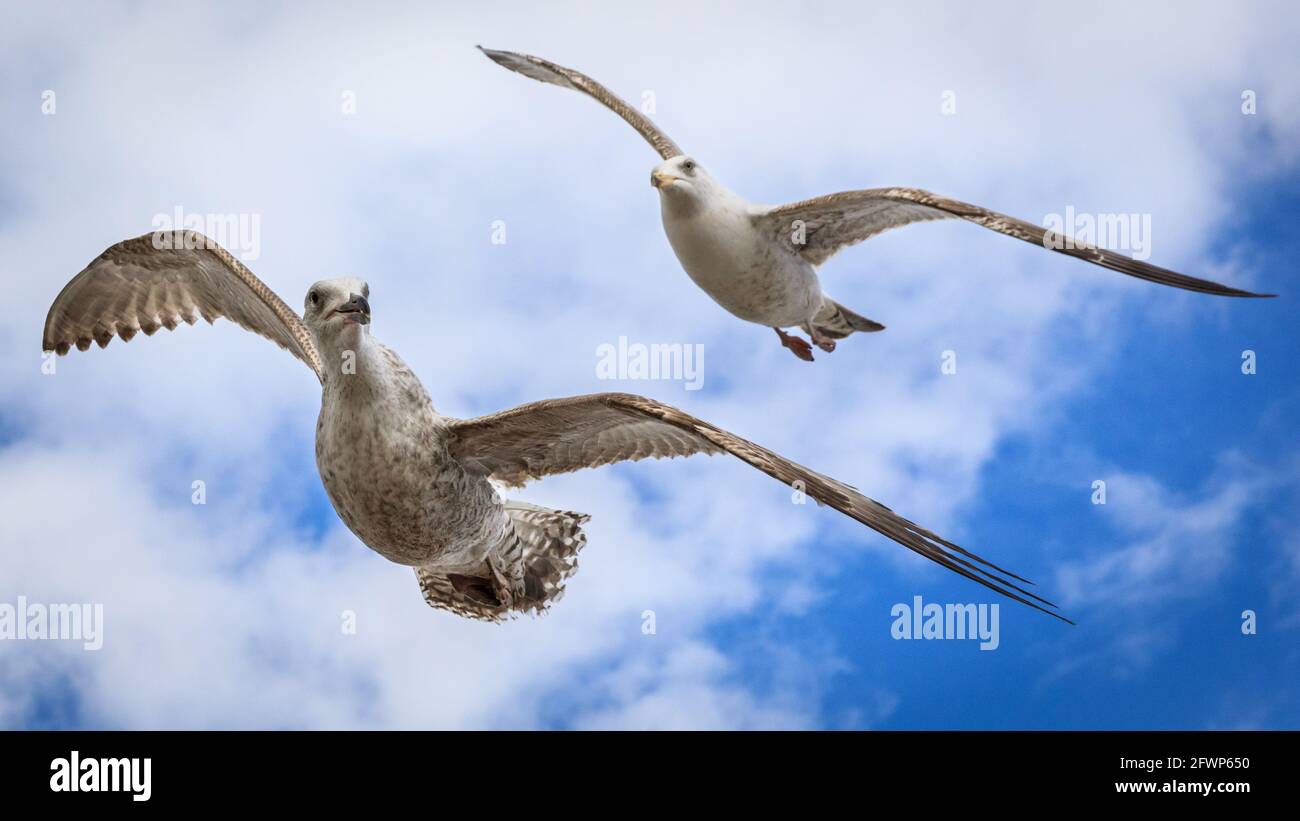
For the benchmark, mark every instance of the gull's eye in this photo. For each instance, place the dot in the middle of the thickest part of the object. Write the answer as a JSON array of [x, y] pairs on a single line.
[[688, 166], [314, 298]]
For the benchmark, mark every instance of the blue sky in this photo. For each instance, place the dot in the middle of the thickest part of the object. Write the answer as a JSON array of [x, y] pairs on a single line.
[[767, 614]]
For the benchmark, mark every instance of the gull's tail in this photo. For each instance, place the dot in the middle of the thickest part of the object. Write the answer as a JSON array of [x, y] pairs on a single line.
[[836, 321], [550, 540], [525, 572]]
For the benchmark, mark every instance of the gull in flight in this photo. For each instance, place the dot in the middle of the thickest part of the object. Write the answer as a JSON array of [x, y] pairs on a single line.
[[760, 262], [421, 488]]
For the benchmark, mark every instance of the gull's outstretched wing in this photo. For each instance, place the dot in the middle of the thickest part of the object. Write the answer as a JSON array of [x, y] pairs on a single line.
[[161, 279], [562, 435], [548, 72], [835, 221]]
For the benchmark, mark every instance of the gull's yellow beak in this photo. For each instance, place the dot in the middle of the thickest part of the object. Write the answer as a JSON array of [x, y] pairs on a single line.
[[658, 179]]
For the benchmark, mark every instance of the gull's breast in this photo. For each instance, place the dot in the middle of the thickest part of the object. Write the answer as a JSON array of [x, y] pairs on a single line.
[[743, 270], [388, 475]]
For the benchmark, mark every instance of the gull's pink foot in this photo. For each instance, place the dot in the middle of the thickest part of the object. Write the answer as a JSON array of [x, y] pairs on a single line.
[[825, 343], [797, 346]]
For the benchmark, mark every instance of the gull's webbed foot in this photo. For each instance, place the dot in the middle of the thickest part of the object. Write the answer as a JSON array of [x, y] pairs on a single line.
[[797, 346], [826, 343]]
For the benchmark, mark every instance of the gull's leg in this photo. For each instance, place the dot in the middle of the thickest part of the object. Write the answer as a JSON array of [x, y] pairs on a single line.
[[824, 342], [796, 345]]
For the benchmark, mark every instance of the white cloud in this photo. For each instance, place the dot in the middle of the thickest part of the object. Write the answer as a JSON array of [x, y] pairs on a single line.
[[690, 689], [1178, 545]]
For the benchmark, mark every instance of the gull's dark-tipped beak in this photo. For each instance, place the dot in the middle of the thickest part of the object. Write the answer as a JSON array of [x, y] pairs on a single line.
[[659, 179], [357, 308]]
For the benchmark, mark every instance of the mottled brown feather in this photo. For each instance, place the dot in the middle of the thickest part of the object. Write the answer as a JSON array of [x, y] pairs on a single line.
[[835, 221], [563, 435], [545, 71], [164, 278]]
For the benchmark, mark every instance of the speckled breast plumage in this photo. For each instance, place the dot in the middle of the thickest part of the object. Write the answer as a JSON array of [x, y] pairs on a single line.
[[382, 455]]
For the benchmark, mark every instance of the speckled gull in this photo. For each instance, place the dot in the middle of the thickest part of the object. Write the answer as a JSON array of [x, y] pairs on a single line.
[[421, 488], [760, 262]]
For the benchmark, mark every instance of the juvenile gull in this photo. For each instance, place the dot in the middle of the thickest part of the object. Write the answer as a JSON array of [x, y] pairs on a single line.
[[418, 487], [760, 262]]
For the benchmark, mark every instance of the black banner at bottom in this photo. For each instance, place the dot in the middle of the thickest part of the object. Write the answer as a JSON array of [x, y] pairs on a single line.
[[511, 770]]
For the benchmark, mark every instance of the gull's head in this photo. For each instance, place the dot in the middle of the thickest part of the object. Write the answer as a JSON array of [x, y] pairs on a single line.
[[681, 178], [338, 309]]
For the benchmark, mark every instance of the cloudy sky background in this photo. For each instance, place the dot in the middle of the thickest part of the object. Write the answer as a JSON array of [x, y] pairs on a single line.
[[768, 614]]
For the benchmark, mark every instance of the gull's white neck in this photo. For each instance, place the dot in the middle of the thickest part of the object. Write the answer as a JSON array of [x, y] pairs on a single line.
[[687, 204], [354, 363]]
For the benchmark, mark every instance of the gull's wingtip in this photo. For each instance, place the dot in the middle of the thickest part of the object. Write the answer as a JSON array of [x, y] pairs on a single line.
[[1243, 293], [1054, 614], [507, 59], [495, 53], [1228, 290]]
